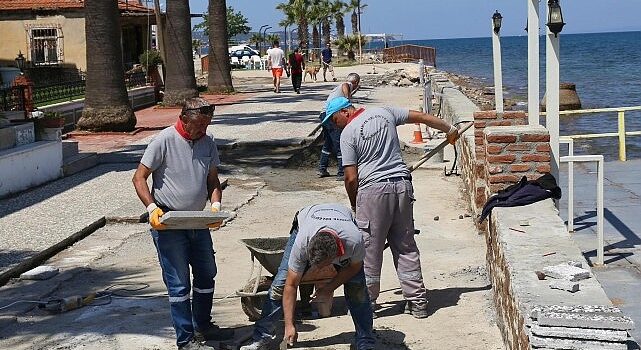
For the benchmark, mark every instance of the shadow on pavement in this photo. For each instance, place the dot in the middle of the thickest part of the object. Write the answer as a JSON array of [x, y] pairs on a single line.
[[386, 339]]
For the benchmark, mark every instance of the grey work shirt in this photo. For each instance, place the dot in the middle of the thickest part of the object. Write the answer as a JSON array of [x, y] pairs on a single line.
[[180, 168], [337, 92], [370, 142], [336, 217]]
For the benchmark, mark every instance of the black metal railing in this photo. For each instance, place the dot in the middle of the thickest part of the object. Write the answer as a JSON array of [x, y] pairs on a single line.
[[12, 99], [56, 93], [135, 79]]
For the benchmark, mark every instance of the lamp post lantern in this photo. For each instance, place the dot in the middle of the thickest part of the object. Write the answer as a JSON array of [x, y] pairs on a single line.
[[496, 21], [20, 61], [498, 70], [555, 17]]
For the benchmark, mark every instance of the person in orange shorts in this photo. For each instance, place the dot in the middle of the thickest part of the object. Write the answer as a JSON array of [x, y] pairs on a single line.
[[276, 61]]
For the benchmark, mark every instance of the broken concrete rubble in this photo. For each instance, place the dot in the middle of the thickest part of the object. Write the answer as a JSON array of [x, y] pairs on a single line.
[[566, 272]]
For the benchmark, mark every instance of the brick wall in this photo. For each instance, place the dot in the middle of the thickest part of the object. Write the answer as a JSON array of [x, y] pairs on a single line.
[[512, 152]]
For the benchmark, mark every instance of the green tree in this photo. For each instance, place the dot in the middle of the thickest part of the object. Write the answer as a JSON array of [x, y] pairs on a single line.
[[106, 102], [219, 73], [299, 9], [356, 7], [181, 79], [236, 23], [349, 43], [196, 45], [256, 39]]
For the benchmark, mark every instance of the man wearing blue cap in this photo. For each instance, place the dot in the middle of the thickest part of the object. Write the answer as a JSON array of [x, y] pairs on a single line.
[[331, 133], [380, 190]]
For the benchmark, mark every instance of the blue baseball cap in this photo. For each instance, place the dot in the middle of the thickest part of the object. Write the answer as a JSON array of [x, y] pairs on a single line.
[[335, 105]]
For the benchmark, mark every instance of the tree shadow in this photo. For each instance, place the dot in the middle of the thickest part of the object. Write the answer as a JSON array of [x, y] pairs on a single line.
[[386, 339]]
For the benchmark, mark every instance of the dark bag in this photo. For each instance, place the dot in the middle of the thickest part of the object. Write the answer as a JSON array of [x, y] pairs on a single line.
[[523, 192]]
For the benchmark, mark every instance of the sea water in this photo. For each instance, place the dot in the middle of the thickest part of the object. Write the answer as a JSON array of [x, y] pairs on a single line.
[[606, 68]]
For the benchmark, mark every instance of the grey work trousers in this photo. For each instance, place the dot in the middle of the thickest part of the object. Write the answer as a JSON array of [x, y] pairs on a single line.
[[384, 212]]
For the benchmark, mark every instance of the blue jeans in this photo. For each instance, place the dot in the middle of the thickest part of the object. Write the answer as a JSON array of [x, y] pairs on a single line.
[[332, 137], [355, 289], [177, 250]]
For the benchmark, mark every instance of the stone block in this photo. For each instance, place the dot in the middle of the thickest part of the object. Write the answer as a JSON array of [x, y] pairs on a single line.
[[569, 286], [574, 344], [577, 320], [43, 272], [7, 138], [578, 309], [566, 272], [580, 333], [24, 134], [188, 220]]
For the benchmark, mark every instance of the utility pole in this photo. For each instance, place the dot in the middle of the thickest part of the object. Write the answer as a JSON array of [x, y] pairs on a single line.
[[160, 34]]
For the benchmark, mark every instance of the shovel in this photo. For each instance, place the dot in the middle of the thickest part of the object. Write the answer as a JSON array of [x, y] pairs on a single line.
[[436, 149]]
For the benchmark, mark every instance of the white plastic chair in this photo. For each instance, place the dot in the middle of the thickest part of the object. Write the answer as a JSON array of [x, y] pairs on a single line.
[[246, 61], [257, 62], [234, 61]]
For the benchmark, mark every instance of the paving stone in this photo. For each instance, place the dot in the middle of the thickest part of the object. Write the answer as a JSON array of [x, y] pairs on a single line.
[[191, 219], [43, 272], [567, 272], [569, 286], [582, 309], [585, 320], [580, 333], [574, 344]]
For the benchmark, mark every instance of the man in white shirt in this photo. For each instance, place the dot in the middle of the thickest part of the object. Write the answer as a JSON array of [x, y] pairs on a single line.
[[276, 61]]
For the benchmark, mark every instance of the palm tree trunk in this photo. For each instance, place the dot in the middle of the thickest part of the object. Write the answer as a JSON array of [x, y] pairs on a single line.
[[181, 79], [354, 22], [219, 79], [106, 102], [326, 26], [315, 41], [340, 30]]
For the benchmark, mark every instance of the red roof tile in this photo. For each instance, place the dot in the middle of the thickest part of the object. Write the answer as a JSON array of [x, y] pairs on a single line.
[[9, 5]]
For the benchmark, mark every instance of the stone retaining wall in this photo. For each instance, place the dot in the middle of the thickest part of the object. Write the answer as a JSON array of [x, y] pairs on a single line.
[[497, 152]]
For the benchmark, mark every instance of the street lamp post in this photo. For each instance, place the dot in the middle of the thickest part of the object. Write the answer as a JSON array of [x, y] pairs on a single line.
[[260, 44], [552, 68], [265, 36], [498, 74], [533, 62], [20, 61]]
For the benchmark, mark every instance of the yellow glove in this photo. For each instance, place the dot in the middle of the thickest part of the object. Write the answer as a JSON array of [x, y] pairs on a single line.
[[154, 217], [215, 207]]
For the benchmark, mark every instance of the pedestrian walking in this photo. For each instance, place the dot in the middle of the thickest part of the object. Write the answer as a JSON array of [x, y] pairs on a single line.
[[182, 161], [326, 61], [276, 62], [321, 235], [297, 65], [380, 191], [332, 134]]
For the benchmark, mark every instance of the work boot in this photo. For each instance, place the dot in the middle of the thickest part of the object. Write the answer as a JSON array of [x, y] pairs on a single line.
[[262, 344], [322, 173], [194, 345], [416, 310], [215, 333]]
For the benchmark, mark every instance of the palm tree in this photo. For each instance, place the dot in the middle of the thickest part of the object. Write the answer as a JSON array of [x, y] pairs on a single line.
[[286, 22], [256, 39], [299, 9], [107, 105], [349, 43], [219, 78], [181, 79], [315, 18], [326, 20], [338, 9], [356, 7]]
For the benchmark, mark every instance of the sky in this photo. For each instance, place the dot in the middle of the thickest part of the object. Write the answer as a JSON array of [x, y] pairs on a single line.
[[439, 19]]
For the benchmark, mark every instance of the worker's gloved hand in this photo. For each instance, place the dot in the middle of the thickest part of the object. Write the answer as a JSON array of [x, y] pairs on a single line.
[[215, 207], [154, 217], [452, 135]]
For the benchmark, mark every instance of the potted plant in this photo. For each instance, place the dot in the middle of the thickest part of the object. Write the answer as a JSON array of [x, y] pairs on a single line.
[[50, 126]]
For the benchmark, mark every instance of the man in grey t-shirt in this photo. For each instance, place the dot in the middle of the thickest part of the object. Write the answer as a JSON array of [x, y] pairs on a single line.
[[182, 161], [321, 235], [380, 190]]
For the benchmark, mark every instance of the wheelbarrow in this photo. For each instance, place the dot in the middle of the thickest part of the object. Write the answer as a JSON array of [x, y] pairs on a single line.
[[269, 253]]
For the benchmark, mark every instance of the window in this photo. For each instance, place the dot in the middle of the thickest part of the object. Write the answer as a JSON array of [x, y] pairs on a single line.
[[45, 45]]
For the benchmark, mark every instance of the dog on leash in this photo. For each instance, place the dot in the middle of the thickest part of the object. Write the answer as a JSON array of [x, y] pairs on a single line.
[[312, 71]]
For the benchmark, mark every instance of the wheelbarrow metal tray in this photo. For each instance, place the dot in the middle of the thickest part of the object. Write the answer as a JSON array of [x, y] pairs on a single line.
[[268, 251]]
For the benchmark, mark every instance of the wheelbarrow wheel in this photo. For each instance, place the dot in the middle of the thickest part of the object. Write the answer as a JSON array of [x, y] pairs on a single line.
[[253, 306]]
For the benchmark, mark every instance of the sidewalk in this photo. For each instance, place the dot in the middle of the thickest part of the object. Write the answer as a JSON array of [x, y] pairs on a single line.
[[264, 199]]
